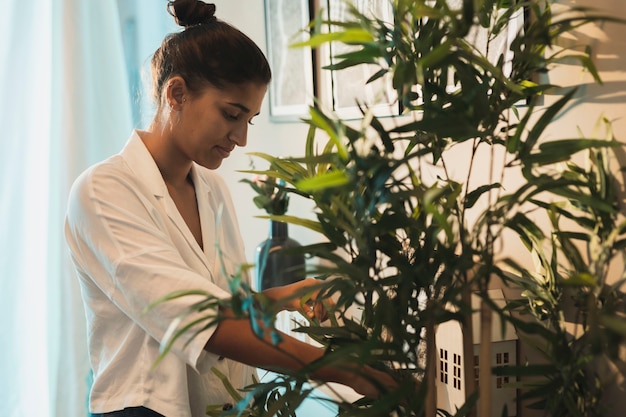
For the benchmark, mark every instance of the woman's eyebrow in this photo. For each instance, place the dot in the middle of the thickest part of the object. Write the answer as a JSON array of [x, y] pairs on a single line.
[[241, 107]]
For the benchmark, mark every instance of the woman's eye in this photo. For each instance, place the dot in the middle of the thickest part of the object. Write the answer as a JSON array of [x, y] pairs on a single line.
[[230, 116]]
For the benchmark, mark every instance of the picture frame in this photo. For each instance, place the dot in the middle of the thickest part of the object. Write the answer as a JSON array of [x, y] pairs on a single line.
[[300, 79], [292, 89], [492, 48], [345, 91]]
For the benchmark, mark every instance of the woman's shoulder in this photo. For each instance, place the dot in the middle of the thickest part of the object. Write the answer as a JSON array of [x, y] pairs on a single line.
[[112, 169], [132, 168]]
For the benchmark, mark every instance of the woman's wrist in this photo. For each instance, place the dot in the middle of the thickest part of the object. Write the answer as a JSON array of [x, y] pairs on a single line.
[[288, 296]]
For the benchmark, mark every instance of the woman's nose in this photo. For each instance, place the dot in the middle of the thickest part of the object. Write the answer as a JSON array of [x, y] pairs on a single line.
[[239, 135]]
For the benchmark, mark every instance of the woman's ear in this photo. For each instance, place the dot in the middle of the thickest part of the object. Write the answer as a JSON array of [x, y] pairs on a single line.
[[176, 92]]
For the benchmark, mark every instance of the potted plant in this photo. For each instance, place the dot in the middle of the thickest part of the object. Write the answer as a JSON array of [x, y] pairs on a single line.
[[406, 236]]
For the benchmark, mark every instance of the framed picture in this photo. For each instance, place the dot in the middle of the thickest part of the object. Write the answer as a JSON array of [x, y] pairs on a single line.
[[292, 89], [493, 48], [345, 90], [300, 79]]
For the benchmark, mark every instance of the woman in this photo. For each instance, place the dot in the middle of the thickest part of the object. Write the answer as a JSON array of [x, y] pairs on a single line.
[[142, 224]]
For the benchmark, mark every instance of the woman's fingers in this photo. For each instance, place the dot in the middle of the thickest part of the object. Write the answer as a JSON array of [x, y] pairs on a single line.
[[315, 310]]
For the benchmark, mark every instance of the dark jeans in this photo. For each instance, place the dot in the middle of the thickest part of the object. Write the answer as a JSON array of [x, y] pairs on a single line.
[[130, 412]]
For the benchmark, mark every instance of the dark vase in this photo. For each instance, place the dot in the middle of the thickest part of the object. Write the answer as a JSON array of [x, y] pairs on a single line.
[[277, 259]]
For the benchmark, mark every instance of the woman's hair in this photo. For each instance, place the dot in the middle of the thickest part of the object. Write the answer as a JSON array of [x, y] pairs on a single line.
[[208, 50]]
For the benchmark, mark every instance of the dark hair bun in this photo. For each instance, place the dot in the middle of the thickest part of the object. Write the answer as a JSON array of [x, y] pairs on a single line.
[[191, 12]]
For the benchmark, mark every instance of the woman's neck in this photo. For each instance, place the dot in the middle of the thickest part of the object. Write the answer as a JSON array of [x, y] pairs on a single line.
[[175, 169]]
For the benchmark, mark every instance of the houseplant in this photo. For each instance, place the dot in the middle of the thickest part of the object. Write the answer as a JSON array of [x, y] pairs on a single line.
[[405, 235]]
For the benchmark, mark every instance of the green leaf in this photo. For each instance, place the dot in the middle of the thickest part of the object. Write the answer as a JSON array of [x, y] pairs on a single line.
[[348, 36], [564, 149], [331, 128], [298, 221], [582, 279], [545, 119], [436, 55], [473, 196], [229, 387], [615, 323], [323, 181]]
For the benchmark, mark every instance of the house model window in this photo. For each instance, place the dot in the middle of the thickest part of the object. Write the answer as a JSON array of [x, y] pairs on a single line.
[[456, 380], [504, 347], [443, 366]]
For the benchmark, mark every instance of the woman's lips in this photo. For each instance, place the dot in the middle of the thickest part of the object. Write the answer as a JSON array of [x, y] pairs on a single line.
[[223, 152]]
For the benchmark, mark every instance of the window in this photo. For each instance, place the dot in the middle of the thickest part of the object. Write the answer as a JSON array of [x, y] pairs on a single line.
[[502, 359], [456, 371], [443, 365], [476, 371]]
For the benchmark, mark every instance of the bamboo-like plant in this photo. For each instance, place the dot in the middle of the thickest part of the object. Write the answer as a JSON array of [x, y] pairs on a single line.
[[406, 236], [586, 239]]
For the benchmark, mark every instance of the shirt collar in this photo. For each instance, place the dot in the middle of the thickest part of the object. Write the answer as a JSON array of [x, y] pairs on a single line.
[[141, 162]]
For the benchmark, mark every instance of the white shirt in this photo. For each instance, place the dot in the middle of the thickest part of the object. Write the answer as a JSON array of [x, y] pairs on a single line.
[[131, 246]]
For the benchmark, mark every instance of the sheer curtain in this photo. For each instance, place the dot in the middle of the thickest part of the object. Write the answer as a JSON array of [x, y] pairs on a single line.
[[64, 104]]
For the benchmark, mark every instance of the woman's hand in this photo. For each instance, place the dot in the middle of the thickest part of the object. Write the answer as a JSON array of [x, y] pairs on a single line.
[[302, 296], [371, 383]]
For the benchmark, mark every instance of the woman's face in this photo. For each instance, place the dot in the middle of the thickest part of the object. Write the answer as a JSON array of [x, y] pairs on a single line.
[[211, 124]]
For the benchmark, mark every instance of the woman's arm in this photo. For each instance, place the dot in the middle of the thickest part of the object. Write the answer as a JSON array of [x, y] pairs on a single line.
[[235, 339]]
